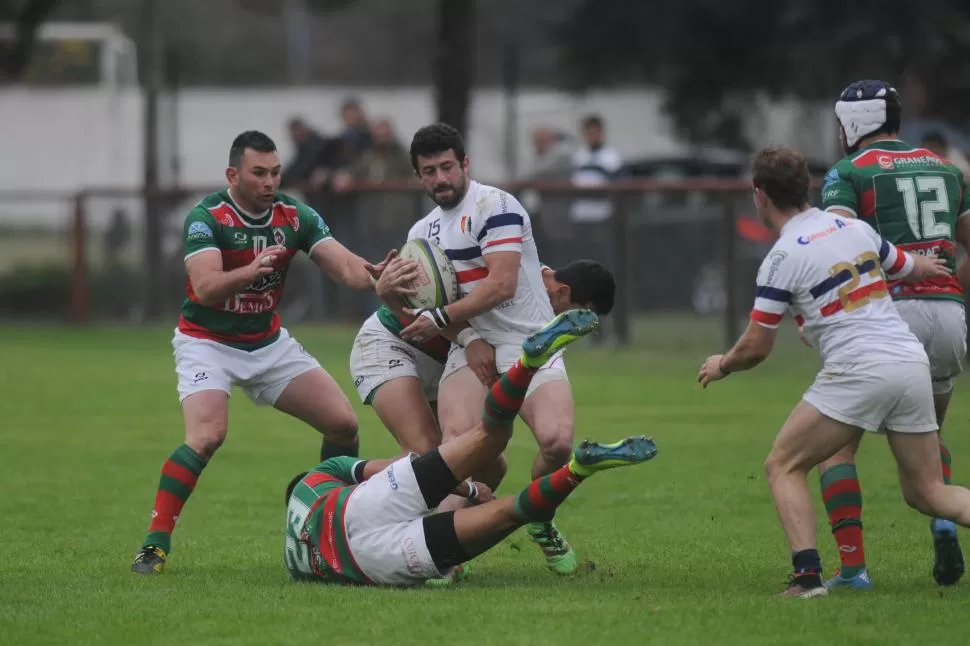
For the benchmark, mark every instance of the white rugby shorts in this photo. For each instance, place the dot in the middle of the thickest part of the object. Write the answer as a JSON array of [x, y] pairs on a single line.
[[262, 374], [872, 396], [384, 521], [941, 326], [378, 357], [505, 358]]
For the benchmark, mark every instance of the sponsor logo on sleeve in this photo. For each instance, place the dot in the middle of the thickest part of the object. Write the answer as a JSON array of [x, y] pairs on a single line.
[[776, 258], [199, 231], [831, 178]]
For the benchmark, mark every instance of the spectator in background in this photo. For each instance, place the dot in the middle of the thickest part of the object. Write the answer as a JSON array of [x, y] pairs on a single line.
[[342, 208], [311, 156], [552, 154], [355, 138], [382, 218], [591, 219], [936, 143], [309, 172]]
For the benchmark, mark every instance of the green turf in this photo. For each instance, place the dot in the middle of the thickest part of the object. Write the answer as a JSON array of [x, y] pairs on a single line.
[[685, 549]]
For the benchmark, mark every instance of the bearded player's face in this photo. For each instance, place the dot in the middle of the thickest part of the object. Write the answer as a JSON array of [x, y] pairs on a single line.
[[445, 179], [257, 180]]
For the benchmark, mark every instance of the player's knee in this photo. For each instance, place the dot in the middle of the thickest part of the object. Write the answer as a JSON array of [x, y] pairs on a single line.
[[923, 496], [774, 467], [557, 446], [342, 429], [556, 450]]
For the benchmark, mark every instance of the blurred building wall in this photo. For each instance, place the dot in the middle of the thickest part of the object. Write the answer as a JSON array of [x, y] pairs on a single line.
[[70, 139]]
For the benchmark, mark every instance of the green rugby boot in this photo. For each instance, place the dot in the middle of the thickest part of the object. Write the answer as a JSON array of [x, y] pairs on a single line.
[[555, 335]]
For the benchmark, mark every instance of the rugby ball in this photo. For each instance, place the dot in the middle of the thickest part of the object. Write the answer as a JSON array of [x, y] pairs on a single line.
[[436, 284]]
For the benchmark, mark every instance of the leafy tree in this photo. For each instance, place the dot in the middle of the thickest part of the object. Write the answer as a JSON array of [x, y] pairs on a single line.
[[26, 16], [714, 58]]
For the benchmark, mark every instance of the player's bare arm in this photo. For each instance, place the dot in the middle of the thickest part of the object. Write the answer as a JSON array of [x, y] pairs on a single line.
[[752, 348], [344, 266], [212, 285], [496, 288]]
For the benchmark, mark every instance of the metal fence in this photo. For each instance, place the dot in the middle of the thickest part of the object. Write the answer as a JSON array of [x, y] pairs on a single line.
[[116, 255]]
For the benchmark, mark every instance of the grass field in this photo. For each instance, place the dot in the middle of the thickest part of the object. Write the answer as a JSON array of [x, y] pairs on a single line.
[[683, 550]]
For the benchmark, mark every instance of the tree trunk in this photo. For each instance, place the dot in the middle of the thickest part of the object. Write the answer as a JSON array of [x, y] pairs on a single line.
[[454, 61]]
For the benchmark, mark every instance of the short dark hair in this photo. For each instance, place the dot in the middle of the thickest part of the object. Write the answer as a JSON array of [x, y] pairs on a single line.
[[290, 487], [592, 120], [434, 140], [590, 283], [934, 137], [251, 139], [782, 173]]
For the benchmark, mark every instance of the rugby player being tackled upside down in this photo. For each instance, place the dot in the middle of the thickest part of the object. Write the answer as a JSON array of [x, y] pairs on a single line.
[[399, 379], [369, 522], [920, 203]]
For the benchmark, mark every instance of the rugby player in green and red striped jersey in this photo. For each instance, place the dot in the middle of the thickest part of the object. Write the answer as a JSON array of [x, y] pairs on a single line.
[[918, 202], [238, 246], [369, 522]]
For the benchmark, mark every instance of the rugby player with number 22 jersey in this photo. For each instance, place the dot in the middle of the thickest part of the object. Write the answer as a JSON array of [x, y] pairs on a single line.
[[830, 271]]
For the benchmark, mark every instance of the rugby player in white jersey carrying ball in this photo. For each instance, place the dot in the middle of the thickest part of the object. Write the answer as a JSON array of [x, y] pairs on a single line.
[[487, 235]]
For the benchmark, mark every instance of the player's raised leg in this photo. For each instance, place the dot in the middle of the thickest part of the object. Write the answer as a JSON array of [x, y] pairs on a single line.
[[206, 415], [315, 398], [842, 496], [460, 536], [549, 412], [466, 454], [806, 439]]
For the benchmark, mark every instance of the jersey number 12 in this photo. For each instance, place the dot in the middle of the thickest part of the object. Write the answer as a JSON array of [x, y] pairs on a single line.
[[921, 213]]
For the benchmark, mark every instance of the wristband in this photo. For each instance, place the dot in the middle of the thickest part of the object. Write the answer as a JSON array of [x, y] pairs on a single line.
[[466, 336], [472, 491], [720, 366], [436, 315]]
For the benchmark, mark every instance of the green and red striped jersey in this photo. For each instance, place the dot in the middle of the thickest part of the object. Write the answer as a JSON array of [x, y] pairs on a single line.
[[912, 197], [436, 348], [315, 539], [247, 320]]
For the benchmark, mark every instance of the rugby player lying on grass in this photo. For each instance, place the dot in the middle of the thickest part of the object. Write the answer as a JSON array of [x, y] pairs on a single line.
[[369, 521]]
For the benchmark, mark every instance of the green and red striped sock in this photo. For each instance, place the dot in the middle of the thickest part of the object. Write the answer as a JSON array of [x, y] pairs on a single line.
[[179, 474], [538, 502], [842, 496], [945, 461], [505, 398]]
